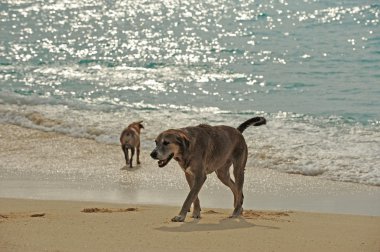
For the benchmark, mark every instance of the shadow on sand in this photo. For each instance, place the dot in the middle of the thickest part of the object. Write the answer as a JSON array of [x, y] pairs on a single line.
[[127, 168], [224, 224]]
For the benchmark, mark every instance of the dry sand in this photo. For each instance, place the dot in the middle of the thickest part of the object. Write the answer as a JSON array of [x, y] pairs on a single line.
[[84, 226]]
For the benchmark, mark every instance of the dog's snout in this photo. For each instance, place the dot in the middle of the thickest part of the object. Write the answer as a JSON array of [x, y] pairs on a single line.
[[154, 154]]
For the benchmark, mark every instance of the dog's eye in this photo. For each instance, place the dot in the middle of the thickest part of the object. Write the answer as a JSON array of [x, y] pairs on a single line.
[[165, 143]]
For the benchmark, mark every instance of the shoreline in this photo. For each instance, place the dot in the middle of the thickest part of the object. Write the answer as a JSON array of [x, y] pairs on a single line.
[[351, 203], [50, 225]]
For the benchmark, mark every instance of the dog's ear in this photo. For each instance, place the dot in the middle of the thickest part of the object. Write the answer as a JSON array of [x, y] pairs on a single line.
[[140, 125], [183, 140]]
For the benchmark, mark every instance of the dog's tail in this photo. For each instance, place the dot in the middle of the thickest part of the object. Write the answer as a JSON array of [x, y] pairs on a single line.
[[255, 121]]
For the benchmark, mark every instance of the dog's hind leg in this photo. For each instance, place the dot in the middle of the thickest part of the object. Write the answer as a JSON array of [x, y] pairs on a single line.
[[223, 174], [132, 153], [125, 150], [239, 166], [196, 203], [138, 153]]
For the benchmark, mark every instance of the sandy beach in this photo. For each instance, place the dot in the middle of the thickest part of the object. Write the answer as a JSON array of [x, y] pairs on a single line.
[[89, 226], [59, 193]]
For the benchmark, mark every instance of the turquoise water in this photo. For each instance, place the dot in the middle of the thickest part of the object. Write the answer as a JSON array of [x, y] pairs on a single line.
[[89, 68]]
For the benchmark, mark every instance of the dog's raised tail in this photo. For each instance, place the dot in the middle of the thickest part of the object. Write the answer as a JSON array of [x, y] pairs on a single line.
[[255, 121]]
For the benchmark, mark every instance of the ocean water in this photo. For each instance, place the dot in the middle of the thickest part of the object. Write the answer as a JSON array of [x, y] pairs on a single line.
[[312, 68]]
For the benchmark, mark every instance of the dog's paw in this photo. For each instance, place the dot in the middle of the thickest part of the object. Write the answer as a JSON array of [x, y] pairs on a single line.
[[178, 218], [196, 215], [237, 212]]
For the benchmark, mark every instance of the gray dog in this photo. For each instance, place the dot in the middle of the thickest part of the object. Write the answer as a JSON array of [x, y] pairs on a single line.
[[204, 149], [130, 139]]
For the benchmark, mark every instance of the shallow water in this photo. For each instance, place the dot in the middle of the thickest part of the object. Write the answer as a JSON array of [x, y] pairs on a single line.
[[311, 68]]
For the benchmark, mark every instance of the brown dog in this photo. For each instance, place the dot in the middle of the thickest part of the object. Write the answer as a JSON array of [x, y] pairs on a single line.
[[204, 149], [130, 139]]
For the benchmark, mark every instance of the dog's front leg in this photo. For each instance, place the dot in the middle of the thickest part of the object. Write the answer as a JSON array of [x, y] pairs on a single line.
[[196, 203], [193, 194]]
